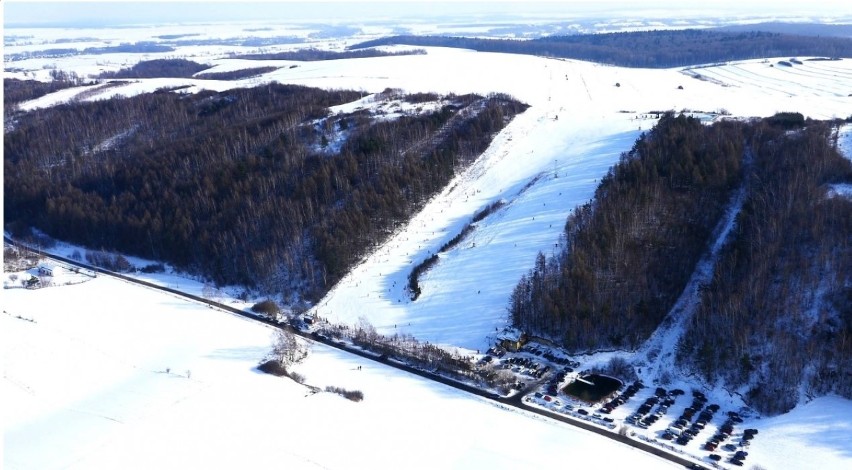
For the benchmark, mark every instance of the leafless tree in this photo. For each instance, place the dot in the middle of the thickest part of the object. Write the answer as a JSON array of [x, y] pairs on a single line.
[[287, 349], [366, 331], [208, 291]]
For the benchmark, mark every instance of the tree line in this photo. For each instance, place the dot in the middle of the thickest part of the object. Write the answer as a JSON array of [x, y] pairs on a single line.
[[776, 318], [646, 49], [158, 68], [313, 54], [140, 47], [236, 186], [16, 91], [629, 253]]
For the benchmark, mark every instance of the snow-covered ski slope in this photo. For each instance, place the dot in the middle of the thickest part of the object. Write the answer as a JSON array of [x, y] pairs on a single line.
[[87, 379], [545, 163], [574, 131]]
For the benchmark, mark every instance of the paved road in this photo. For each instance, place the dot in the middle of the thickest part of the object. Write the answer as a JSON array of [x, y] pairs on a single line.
[[514, 401]]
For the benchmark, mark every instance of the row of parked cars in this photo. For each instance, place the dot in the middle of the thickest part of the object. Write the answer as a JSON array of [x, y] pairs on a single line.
[[739, 455], [550, 356], [526, 365], [646, 415], [556, 379], [655, 407], [622, 397], [689, 429]]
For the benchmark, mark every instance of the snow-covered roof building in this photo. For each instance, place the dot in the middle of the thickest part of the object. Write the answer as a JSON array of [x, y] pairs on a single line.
[[511, 339], [47, 269]]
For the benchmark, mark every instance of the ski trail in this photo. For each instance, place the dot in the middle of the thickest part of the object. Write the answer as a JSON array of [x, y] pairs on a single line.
[[659, 351]]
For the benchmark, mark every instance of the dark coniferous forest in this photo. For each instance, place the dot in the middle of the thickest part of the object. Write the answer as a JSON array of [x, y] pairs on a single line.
[[776, 316], [630, 252], [158, 68], [260, 186], [649, 49]]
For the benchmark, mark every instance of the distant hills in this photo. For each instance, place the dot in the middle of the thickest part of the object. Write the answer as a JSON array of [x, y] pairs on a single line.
[[646, 49], [800, 29]]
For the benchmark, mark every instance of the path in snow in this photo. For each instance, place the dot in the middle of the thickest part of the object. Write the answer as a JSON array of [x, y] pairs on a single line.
[[659, 350]]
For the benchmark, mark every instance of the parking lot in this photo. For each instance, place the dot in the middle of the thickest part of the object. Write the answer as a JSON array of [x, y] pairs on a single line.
[[680, 421]]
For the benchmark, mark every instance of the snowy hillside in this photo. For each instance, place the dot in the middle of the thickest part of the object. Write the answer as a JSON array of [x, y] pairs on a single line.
[[90, 360], [546, 162]]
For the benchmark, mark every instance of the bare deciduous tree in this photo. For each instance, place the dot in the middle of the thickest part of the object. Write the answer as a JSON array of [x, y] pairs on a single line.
[[366, 331], [287, 349]]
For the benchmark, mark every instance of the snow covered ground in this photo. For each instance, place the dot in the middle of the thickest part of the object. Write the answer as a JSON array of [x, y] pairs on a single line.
[[108, 384], [105, 374], [844, 141], [812, 435], [546, 162], [562, 145]]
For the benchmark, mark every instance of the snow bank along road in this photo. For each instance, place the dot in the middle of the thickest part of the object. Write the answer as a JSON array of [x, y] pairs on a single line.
[[515, 401]]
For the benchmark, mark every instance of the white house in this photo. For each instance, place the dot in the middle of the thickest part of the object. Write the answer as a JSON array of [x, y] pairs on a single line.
[[47, 269]]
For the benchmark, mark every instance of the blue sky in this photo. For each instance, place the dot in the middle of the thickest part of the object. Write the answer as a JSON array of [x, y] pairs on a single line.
[[97, 13]]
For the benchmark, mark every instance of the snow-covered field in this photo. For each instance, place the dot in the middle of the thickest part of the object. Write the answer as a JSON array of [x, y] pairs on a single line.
[[85, 386], [87, 376]]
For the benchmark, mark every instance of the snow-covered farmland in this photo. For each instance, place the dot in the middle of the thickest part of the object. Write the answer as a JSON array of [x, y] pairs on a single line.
[[87, 375], [105, 374]]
